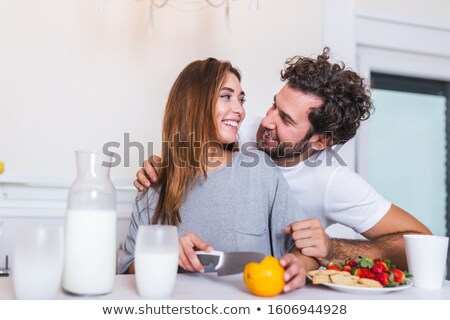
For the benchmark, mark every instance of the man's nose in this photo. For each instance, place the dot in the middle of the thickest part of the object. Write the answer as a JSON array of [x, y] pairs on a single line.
[[269, 120]]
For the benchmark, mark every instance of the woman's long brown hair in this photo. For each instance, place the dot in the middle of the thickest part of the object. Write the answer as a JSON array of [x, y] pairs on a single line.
[[188, 129]]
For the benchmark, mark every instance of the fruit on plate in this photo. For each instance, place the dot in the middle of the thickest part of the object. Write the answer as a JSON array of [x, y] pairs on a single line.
[[364, 273], [399, 276], [380, 267], [380, 270], [383, 278], [334, 266], [351, 263], [264, 279]]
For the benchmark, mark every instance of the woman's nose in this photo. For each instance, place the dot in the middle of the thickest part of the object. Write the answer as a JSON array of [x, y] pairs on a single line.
[[238, 108]]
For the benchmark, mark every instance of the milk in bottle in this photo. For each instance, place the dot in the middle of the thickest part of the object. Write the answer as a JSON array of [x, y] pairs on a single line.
[[90, 228]]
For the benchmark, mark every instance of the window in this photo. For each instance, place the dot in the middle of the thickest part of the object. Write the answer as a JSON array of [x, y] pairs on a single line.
[[407, 144]]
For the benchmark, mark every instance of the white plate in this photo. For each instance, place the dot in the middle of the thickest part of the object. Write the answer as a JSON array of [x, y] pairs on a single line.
[[363, 290]]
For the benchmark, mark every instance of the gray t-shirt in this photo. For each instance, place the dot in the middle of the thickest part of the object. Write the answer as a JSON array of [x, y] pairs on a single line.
[[242, 207]]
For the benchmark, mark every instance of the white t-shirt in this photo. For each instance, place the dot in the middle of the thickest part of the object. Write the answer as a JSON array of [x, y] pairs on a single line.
[[327, 190]]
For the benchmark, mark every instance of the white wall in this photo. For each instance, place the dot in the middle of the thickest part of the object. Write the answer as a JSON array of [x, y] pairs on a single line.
[[74, 76], [425, 11]]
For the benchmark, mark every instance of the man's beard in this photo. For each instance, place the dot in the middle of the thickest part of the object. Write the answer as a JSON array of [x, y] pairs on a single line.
[[285, 150]]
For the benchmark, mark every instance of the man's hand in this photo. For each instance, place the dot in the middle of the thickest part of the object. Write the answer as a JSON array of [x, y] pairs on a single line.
[[188, 244], [148, 173], [295, 272], [311, 239]]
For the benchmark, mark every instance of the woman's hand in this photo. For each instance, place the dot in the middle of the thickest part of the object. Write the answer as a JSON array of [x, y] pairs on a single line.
[[187, 258], [294, 272], [148, 173], [296, 265]]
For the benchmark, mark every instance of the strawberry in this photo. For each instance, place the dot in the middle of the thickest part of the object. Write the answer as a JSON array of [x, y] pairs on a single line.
[[334, 266], [399, 276], [382, 278], [347, 268], [364, 273], [389, 264], [351, 263], [379, 267]]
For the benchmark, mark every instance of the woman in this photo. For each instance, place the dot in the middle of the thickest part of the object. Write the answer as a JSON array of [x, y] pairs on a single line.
[[203, 187]]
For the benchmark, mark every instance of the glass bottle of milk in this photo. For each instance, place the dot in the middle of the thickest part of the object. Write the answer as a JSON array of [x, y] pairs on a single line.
[[90, 229]]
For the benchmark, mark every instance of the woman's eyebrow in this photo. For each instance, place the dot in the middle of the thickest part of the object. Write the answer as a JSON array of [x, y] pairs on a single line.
[[232, 90]]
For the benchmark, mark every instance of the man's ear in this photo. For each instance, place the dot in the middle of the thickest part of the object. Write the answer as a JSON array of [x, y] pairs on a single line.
[[320, 141]]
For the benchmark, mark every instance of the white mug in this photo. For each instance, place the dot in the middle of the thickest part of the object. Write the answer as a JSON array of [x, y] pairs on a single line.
[[38, 262], [156, 260], [427, 258]]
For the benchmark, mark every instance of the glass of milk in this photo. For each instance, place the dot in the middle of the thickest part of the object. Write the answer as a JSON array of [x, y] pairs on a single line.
[[156, 260], [38, 262]]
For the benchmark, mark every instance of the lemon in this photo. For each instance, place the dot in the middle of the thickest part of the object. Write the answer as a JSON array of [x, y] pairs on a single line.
[[264, 279], [2, 167]]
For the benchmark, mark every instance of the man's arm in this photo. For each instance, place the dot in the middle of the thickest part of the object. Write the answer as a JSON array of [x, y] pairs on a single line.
[[385, 239]]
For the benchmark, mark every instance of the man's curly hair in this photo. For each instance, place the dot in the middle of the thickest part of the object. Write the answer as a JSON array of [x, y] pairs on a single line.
[[346, 99]]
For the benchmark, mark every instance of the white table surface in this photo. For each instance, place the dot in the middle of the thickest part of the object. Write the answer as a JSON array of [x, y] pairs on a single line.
[[212, 287]]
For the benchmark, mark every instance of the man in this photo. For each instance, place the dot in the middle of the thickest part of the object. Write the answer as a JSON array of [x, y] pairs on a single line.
[[321, 106]]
